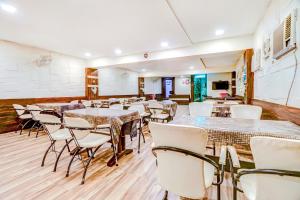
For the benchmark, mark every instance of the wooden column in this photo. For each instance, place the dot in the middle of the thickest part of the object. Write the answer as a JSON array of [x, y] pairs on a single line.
[[250, 76]]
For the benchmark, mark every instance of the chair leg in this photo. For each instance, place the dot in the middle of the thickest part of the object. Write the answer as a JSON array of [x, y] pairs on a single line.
[[235, 191], [139, 144], [38, 130], [31, 128], [214, 148], [24, 126], [70, 163], [166, 195], [46, 153], [57, 159], [218, 188], [88, 163], [67, 143]]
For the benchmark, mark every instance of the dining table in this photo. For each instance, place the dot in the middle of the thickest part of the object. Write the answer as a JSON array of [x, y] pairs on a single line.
[[123, 122], [239, 131]]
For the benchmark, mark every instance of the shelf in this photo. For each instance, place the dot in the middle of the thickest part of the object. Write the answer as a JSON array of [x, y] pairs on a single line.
[[92, 77]]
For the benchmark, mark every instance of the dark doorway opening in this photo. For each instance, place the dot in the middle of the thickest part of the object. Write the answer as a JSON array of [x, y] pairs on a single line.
[[168, 86]]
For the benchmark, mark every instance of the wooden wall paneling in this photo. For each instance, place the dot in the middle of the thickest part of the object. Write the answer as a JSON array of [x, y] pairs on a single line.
[[8, 117], [233, 83], [276, 111], [141, 85]]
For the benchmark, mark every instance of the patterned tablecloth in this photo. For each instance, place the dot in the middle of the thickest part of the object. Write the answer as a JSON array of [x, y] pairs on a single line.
[[169, 105], [239, 131], [59, 107], [98, 116]]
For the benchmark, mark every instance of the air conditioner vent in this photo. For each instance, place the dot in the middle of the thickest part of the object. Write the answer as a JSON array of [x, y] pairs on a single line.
[[287, 28]]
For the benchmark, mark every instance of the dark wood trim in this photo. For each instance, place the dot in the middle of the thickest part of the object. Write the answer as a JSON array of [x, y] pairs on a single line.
[[277, 111], [91, 78], [117, 96], [8, 117]]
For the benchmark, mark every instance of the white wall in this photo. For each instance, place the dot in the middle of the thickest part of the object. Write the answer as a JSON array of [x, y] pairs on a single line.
[[182, 85], [152, 85], [117, 81], [20, 77], [217, 77], [273, 82]]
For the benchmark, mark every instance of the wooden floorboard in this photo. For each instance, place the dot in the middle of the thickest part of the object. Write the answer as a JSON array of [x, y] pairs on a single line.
[[22, 177]]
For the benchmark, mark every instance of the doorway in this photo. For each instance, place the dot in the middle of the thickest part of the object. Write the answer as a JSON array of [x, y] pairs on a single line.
[[199, 87], [168, 86]]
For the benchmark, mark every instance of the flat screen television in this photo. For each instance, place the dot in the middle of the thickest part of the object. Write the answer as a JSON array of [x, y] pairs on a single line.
[[220, 85]]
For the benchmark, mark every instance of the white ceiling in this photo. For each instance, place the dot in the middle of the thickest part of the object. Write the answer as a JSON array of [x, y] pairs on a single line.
[[74, 27], [220, 62]]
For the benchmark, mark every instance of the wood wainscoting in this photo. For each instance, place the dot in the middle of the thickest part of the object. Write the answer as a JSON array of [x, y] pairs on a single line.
[[277, 111], [8, 115]]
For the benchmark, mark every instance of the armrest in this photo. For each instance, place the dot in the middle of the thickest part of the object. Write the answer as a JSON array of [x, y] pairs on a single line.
[[278, 172], [223, 155], [234, 157]]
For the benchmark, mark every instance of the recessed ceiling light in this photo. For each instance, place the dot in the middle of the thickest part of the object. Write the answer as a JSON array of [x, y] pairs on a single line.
[[87, 54], [8, 8], [219, 32], [191, 67], [164, 44], [118, 51], [143, 70]]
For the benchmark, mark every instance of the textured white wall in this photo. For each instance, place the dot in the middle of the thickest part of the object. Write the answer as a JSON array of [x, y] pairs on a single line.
[[217, 77], [152, 85], [273, 82], [20, 77], [117, 81], [181, 86]]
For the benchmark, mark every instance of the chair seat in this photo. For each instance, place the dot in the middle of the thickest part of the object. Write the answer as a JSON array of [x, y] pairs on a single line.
[[93, 140], [160, 116], [103, 126], [61, 134], [26, 116], [145, 114]]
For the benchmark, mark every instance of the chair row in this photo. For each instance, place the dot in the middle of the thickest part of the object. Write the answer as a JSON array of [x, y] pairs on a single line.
[[184, 169]]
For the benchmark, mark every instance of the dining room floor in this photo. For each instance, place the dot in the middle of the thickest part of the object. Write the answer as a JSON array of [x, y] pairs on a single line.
[[22, 177]]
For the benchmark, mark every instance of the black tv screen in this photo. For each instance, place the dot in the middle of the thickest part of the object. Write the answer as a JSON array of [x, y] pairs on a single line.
[[220, 85]]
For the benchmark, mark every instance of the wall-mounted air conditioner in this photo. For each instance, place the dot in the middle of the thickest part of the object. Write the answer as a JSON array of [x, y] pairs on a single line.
[[284, 36]]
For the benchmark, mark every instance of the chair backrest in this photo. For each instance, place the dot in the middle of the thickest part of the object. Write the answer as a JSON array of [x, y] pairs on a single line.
[[200, 109], [116, 106], [19, 109], [177, 172], [74, 102], [139, 107], [87, 103], [79, 127], [245, 111], [34, 111], [50, 122], [273, 153]]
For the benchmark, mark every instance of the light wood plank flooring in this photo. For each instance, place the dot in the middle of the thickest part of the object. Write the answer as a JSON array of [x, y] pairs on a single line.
[[22, 177]]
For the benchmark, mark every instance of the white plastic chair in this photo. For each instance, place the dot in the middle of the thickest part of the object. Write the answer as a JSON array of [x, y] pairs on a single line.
[[200, 109], [89, 142], [245, 111], [182, 167], [35, 111], [277, 170]]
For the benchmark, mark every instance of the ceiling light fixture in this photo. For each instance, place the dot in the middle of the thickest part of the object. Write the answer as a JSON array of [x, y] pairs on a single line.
[[219, 32], [87, 54], [191, 67], [8, 8], [164, 44], [143, 70], [118, 51]]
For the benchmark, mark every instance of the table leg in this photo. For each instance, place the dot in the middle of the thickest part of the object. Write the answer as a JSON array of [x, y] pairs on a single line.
[[122, 151]]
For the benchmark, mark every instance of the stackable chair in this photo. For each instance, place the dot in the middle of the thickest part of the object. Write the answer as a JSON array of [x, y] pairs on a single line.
[[75, 102], [158, 113], [277, 170], [35, 111], [200, 109], [245, 111], [86, 103], [182, 166], [231, 102], [23, 117], [53, 127], [91, 142], [142, 122]]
